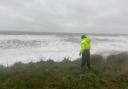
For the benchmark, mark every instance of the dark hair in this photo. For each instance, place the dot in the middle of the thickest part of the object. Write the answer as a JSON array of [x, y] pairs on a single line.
[[83, 36]]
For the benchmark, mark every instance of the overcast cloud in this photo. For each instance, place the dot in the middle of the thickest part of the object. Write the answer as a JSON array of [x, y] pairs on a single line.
[[110, 16]]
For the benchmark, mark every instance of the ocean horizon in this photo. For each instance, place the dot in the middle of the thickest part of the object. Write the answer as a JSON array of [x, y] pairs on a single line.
[[35, 46]]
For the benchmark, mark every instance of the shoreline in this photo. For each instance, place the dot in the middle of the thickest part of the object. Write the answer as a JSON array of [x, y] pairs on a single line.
[[93, 56]]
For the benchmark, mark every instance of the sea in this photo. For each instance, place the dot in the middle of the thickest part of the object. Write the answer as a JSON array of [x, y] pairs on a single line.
[[28, 47]]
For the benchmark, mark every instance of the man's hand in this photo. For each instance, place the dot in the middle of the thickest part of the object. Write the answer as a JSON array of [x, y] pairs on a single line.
[[80, 54]]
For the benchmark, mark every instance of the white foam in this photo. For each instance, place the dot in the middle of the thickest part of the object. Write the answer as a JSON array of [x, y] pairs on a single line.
[[54, 47]]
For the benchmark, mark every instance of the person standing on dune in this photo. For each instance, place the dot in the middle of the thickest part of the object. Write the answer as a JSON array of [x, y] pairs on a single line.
[[85, 51]]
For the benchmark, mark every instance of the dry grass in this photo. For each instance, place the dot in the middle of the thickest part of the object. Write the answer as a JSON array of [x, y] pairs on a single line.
[[109, 73]]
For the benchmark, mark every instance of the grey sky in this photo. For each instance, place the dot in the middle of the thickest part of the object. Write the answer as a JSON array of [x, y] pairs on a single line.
[[110, 16]]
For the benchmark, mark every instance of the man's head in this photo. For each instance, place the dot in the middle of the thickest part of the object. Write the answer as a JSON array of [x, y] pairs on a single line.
[[83, 36]]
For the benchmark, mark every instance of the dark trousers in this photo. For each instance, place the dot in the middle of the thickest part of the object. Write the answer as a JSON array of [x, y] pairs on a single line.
[[86, 59]]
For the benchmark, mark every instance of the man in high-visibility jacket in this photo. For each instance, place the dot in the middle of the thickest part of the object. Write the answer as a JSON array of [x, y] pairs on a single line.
[[85, 51]]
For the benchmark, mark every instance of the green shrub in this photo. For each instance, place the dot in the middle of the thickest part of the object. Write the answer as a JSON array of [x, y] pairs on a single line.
[[109, 73]]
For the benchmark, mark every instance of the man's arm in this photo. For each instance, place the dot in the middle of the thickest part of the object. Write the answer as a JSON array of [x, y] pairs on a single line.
[[80, 54], [81, 48]]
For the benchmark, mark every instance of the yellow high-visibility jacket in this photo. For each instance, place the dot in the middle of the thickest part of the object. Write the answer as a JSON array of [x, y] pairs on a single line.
[[85, 44]]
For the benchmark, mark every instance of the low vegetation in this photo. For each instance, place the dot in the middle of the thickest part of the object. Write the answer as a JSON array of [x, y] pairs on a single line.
[[106, 73]]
